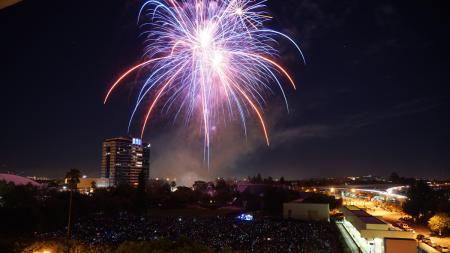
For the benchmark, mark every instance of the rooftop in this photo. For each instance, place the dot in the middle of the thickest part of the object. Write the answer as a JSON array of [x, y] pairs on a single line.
[[363, 216], [371, 220]]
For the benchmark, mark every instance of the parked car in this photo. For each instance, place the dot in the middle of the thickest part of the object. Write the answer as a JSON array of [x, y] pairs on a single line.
[[405, 226], [406, 218], [399, 224], [410, 230]]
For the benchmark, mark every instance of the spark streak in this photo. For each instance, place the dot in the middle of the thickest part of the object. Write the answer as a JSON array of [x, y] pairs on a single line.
[[212, 58]]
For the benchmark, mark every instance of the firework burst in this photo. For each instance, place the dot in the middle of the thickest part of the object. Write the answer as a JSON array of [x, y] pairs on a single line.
[[213, 58]]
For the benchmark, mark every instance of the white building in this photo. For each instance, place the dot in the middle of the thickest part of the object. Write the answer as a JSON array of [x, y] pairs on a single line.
[[306, 211], [373, 235]]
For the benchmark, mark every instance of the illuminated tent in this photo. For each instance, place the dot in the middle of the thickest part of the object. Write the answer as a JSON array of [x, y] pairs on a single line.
[[17, 180]]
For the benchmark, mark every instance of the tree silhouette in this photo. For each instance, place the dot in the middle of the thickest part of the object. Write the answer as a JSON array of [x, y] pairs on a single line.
[[394, 178], [422, 201], [73, 178], [93, 185], [140, 192]]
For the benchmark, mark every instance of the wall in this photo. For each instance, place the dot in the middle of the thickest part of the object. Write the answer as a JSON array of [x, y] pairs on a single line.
[[400, 245], [306, 211]]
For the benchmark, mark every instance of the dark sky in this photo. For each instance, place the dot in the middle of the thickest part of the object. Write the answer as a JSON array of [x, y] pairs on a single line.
[[373, 98]]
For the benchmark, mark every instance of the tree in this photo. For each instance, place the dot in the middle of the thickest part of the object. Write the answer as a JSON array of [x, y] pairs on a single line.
[[140, 192], [19, 207], [184, 195], [200, 186], [322, 198], [274, 197], [394, 178], [443, 199], [224, 192], [439, 223], [422, 201], [258, 179], [73, 178], [93, 185]]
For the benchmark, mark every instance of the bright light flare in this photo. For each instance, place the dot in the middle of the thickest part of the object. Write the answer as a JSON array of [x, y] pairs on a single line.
[[239, 11], [205, 38], [212, 60]]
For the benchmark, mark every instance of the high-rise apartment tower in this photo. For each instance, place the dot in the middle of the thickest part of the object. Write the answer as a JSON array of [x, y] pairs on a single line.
[[124, 159]]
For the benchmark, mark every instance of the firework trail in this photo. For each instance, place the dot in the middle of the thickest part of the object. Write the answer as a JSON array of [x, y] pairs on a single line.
[[213, 58]]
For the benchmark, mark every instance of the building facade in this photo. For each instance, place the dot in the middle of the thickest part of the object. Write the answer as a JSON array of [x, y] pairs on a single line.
[[87, 184], [373, 235], [306, 211], [124, 159]]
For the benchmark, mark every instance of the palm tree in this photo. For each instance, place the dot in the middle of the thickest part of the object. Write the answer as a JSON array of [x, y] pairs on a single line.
[[72, 179]]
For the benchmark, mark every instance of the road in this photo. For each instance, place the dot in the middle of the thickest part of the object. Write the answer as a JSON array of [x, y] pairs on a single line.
[[394, 217]]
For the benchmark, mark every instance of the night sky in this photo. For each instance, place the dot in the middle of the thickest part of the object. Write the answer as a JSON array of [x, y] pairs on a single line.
[[373, 98]]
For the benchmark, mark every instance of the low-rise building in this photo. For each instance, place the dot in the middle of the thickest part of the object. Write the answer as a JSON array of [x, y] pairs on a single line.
[[86, 185], [306, 211], [373, 235]]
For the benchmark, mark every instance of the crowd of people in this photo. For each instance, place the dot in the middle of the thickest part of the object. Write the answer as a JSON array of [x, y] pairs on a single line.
[[220, 232]]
